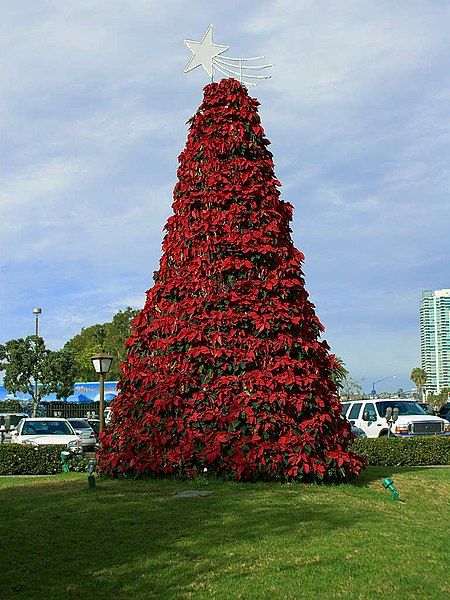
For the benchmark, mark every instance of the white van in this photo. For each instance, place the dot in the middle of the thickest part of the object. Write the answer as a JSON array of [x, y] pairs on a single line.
[[107, 415], [370, 416]]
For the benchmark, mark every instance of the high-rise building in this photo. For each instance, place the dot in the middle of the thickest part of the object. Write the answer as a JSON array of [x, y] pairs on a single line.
[[435, 338]]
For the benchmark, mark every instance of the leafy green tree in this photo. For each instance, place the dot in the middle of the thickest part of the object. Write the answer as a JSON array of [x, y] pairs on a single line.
[[83, 346], [108, 337], [444, 395], [116, 335], [351, 388], [436, 400], [27, 360], [419, 378]]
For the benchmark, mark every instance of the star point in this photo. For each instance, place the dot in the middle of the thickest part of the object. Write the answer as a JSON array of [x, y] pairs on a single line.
[[204, 52]]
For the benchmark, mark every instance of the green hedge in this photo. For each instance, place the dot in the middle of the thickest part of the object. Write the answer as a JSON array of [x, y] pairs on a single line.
[[395, 452], [17, 459]]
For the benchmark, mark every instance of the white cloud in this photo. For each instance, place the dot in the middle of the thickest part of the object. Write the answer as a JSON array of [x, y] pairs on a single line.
[[77, 44], [30, 204], [324, 53], [40, 182]]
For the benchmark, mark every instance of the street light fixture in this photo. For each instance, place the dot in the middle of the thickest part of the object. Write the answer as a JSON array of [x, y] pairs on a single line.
[[102, 363], [373, 392], [37, 312]]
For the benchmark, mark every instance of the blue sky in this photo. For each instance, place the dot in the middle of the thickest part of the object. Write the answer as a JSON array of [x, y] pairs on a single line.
[[93, 112]]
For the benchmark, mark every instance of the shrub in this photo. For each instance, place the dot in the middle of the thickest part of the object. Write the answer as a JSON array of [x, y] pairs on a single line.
[[17, 459], [80, 464], [394, 451]]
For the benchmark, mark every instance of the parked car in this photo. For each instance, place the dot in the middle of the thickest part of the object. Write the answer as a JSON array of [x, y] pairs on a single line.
[[87, 434], [95, 424], [427, 408], [54, 431], [370, 416], [358, 431], [355, 430], [444, 411]]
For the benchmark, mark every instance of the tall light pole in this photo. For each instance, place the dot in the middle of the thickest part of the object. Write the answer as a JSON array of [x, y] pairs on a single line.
[[374, 392], [37, 313], [102, 363]]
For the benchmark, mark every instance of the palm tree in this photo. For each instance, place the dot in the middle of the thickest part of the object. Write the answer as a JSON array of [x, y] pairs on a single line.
[[419, 377], [339, 372]]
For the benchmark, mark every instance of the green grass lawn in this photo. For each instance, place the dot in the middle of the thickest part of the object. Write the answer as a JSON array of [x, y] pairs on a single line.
[[131, 539]]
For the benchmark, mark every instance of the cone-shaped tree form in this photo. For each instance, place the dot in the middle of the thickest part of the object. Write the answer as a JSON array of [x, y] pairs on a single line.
[[225, 370]]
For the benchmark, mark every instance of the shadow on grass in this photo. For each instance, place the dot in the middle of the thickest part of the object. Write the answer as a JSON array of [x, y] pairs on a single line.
[[120, 539]]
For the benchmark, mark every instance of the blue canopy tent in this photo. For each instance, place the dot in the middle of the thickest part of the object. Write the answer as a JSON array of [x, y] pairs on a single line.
[[85, 392], [80, 399], [5, 395], [108, 397]]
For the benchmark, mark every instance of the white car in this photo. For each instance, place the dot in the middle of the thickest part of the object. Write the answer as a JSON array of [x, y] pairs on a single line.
[[370, 416], [86, 433], [41, 431]]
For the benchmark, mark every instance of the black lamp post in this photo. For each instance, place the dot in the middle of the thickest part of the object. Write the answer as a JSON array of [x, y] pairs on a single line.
[[102, 363]]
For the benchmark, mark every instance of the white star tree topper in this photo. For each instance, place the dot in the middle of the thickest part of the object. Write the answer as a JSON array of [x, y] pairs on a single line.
[[206, 54]]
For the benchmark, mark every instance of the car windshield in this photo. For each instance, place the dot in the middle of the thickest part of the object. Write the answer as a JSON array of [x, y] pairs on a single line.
[[79, 424], [46, 428], [404, 407]]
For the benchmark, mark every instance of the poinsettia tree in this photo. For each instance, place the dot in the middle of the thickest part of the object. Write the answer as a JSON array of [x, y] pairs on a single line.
[[226, 369]]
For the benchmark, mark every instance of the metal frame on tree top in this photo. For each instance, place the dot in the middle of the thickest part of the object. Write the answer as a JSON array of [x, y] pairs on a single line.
[[209, 55]]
